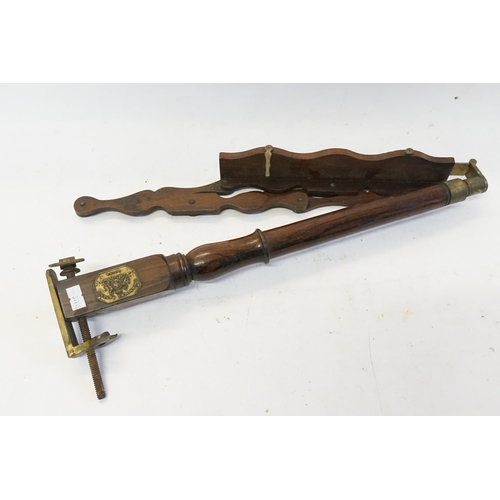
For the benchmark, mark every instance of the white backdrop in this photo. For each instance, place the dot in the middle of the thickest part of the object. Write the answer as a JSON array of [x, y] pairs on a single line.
[[401, 320]]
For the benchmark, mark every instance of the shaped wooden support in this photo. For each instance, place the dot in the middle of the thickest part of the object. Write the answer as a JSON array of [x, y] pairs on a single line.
[[297, 181]]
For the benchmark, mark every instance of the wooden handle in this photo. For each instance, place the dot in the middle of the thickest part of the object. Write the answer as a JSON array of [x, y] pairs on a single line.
[[215, 259]]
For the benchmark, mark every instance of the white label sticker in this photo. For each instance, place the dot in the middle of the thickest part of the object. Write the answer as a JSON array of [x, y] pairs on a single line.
[[75, 296]]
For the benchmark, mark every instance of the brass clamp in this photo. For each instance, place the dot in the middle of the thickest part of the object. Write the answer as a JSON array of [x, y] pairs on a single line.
[[88, 344]]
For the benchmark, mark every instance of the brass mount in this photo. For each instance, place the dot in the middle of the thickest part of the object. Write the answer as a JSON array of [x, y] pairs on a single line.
[[73, 347], [474, 182]]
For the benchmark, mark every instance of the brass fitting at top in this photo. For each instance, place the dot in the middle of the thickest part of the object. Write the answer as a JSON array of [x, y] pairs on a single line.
[[474, 182]]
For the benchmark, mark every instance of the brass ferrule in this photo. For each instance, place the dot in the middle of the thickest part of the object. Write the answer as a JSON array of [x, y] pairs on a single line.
[[459, 190]]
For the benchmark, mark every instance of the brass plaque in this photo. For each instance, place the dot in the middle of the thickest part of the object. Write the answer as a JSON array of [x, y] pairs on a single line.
[[116, 284]]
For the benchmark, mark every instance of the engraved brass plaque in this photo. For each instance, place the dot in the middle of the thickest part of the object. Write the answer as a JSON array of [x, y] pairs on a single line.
[[116, 284]]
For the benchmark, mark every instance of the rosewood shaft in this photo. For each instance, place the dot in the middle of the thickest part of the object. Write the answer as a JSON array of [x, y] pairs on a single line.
[[214, 259]]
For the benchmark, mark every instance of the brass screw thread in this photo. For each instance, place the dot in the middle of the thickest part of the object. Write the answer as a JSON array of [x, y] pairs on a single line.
[[69, 270], [92, 359]]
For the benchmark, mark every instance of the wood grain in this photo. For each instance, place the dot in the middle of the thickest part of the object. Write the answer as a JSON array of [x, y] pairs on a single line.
[[334, 171], [215, 259], [154, 275]]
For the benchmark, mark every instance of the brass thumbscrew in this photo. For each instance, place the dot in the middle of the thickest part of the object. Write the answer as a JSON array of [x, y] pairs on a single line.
[[69, 270]]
